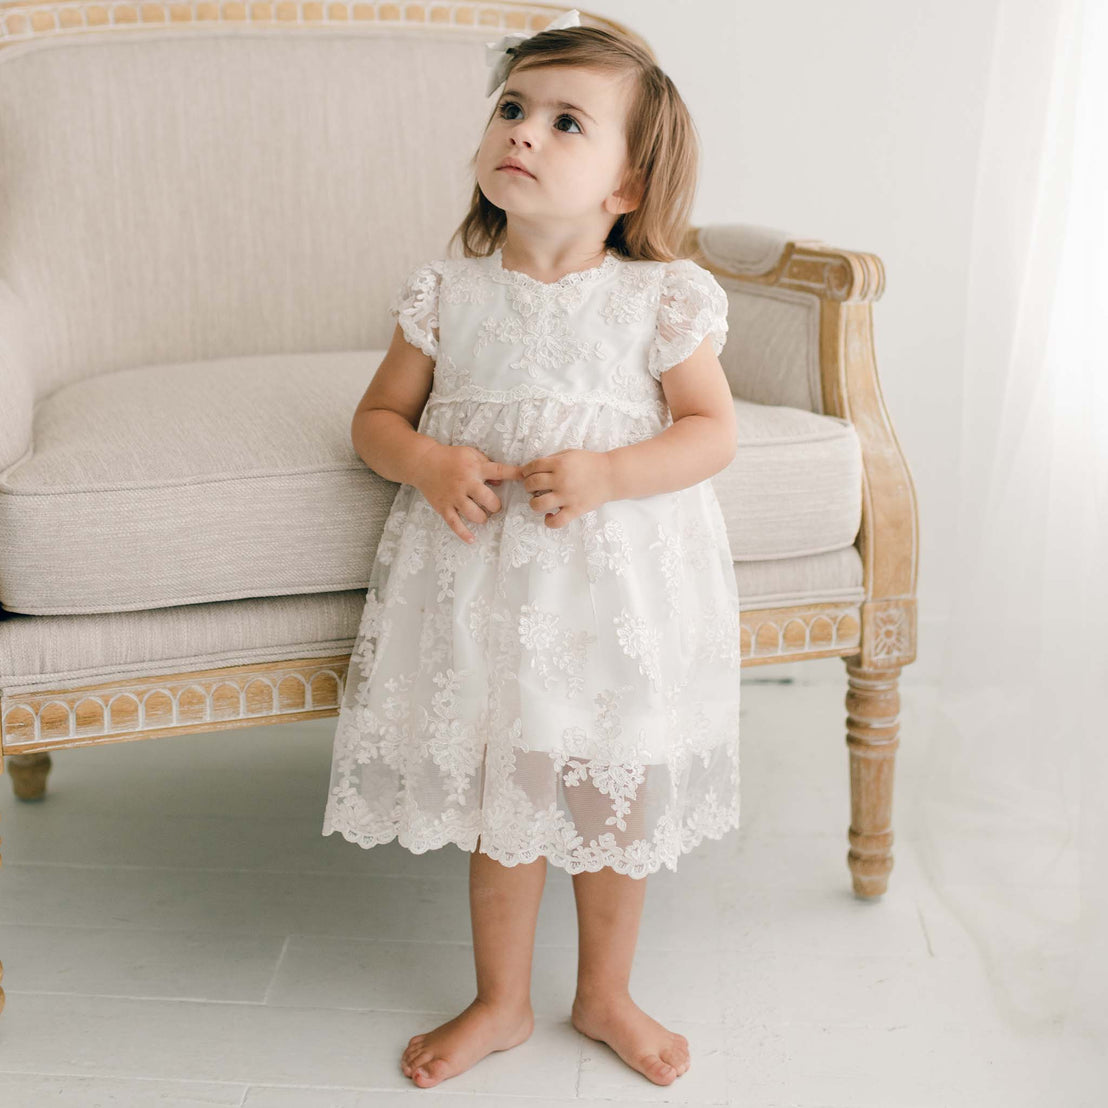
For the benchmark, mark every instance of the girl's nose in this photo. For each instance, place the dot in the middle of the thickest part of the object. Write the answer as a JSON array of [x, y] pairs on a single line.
[[521, 132]]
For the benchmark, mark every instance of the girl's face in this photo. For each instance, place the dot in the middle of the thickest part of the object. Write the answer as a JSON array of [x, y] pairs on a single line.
[[576, 155]]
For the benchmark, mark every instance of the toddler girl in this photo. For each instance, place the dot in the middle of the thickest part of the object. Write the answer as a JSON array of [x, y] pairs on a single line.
[[550, 671]]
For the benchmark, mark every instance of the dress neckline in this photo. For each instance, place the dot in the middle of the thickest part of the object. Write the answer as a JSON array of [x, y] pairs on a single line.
[[576, 277]]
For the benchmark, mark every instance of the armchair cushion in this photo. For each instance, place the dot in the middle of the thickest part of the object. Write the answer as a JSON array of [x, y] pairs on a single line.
[[221, 480], [184, 484]]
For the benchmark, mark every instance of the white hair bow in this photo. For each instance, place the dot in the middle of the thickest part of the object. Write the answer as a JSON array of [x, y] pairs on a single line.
[[496, 53]]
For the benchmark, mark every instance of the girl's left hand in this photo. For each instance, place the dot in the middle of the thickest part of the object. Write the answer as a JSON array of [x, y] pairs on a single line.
[[567, 484]]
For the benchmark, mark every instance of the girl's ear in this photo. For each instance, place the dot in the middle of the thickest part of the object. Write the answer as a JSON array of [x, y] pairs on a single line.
[[628, 197]]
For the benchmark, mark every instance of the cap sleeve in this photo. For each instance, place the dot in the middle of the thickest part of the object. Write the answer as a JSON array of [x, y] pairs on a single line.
[[692, 306], [415, 306]]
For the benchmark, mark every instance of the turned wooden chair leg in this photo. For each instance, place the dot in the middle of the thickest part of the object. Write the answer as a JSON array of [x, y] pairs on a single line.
[[872, 729], [29, 774]]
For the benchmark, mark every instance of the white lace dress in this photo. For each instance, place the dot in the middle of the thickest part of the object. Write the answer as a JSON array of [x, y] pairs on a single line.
[[568, 692]]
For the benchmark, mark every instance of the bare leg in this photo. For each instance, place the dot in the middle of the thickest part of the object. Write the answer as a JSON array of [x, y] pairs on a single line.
[[504, 906], [609, 908]]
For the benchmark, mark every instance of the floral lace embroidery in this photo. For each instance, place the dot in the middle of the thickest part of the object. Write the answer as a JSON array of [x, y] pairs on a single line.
[[569, 693], [415, 307], [642, 642], [548, 341], [553, 649], [607, 547], [616, 768], [635, 296], [612, 765], [454, 745], [466, 283], [693, 546], [691, 306]]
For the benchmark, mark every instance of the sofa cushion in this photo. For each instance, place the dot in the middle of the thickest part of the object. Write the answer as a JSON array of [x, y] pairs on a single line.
[[221, 480]]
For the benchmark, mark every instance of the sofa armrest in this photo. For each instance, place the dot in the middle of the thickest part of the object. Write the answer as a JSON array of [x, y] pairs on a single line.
[[17, 392], [845, 283]]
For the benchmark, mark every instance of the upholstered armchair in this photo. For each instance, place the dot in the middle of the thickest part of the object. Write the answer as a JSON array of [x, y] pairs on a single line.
[[206, 210]]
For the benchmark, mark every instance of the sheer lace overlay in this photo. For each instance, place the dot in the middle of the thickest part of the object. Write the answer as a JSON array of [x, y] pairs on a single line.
[[692, 306], [569, 693], [415, 307]]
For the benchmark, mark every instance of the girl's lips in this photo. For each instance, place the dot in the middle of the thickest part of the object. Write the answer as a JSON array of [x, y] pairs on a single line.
[[512, 169]]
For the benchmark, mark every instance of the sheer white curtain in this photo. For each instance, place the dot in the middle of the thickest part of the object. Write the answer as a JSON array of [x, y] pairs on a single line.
[[1012, 825]]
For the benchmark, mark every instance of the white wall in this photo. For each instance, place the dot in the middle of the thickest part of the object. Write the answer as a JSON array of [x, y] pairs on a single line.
[[856, 123]]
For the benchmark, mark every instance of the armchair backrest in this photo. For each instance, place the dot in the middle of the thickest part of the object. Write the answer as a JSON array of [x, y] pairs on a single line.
[[179, 192]]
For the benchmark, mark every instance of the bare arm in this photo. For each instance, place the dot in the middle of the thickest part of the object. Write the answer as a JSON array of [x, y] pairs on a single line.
[[701, 441], [383, 430], [453, 479]]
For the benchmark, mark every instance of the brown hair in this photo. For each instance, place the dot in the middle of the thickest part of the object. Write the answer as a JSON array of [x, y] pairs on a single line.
[[662, 146]]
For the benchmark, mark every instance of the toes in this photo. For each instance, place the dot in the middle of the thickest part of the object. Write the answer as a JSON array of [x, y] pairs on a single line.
[[414, 1061], [676, 1053], [433, 1072], [658, 1070], [676, 1057]]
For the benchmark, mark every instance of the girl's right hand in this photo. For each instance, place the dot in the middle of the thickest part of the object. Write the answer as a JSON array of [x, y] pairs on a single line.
[[453, 483]]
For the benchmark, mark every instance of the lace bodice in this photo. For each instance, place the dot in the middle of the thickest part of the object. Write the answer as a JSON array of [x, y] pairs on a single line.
[[607, 333]]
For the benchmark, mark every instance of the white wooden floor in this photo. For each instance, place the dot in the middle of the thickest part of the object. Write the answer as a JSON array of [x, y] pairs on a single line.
[[176, 931]]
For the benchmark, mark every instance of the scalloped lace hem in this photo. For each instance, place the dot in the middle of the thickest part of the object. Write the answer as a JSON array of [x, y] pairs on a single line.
[[596, 856]]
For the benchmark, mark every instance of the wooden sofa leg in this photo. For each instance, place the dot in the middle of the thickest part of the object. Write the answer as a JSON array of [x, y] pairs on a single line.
[[872, 730], [29, 774]]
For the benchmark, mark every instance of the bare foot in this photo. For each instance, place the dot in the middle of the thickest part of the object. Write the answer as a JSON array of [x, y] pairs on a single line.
[[456, 1045], [643, 1043]]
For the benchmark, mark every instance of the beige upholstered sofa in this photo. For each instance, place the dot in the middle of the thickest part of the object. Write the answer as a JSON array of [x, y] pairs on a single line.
[[205, 211]]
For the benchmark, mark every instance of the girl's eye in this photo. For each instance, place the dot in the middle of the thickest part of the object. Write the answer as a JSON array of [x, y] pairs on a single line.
[[512, 104]]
